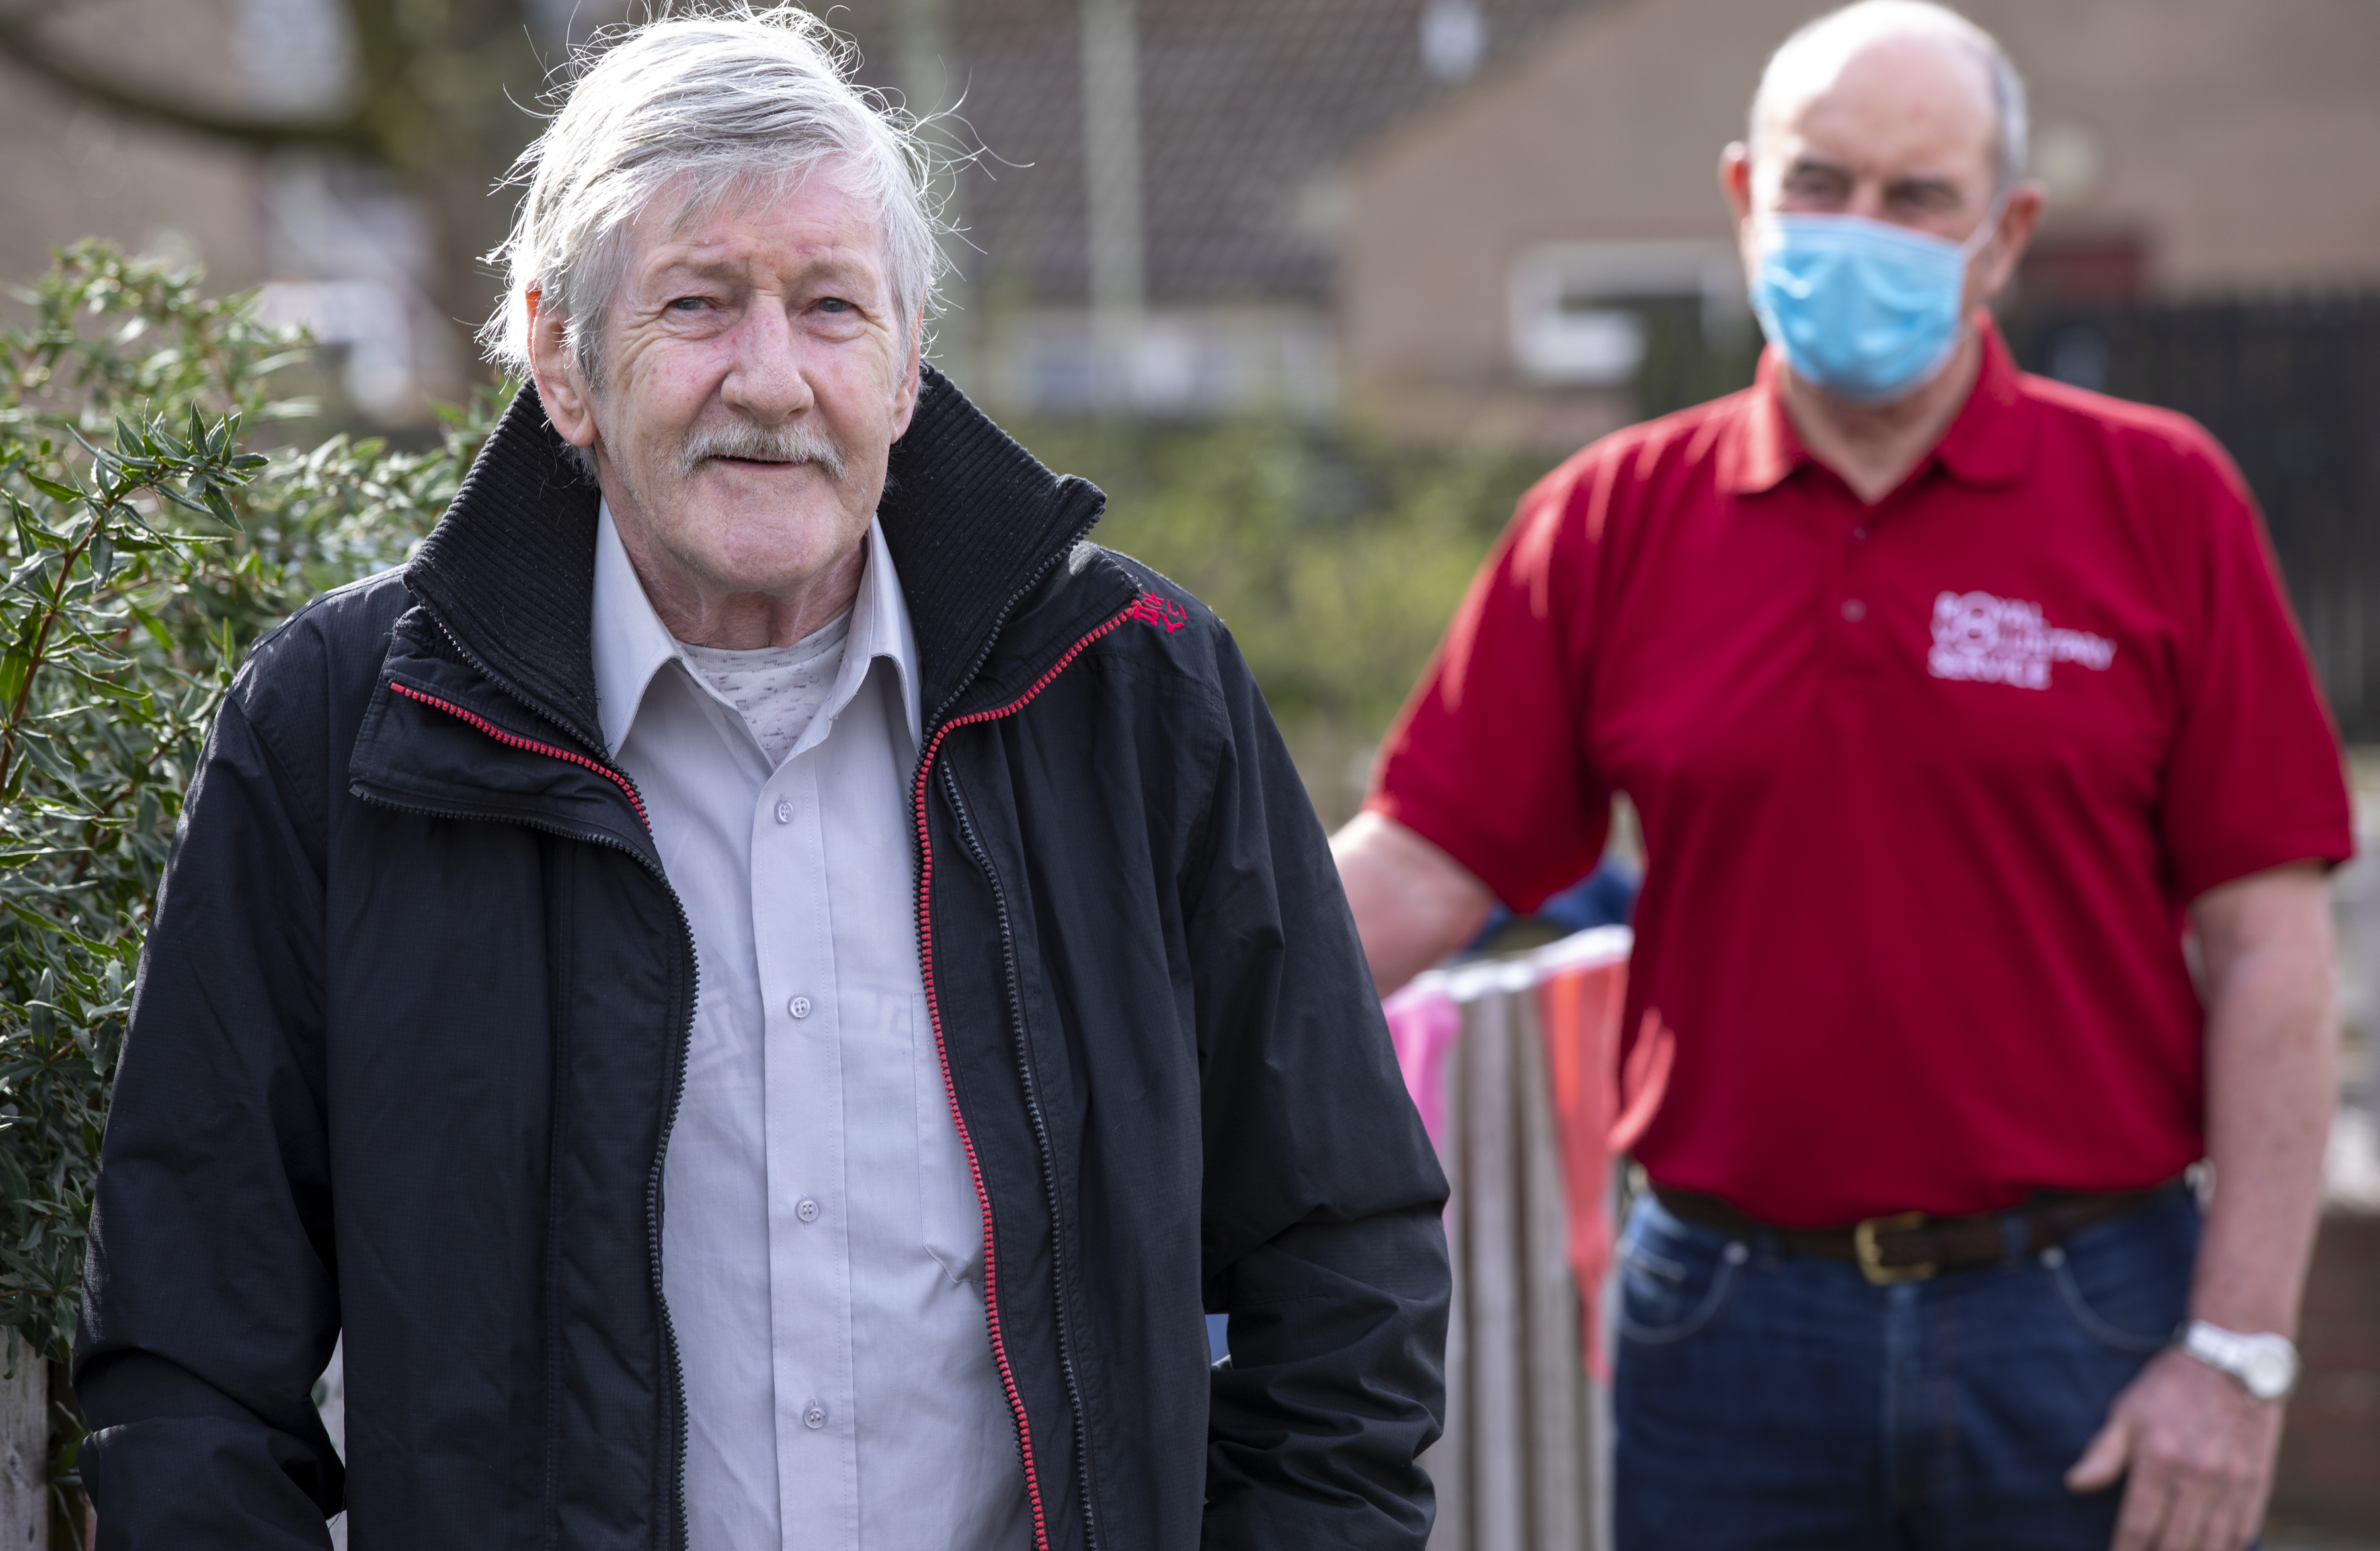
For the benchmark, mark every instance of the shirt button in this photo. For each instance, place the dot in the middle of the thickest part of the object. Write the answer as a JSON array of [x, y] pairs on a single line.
[[1859, 535], [1853, 610], [799, 1007], [814, 1417], [806, 1210], [785, 811]]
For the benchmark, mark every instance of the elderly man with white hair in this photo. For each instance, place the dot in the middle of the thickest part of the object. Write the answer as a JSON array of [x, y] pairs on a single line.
[[1947, 698], [762, 982]]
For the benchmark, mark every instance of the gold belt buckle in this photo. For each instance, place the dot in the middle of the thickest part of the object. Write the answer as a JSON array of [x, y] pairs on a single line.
[[1871, 1255]]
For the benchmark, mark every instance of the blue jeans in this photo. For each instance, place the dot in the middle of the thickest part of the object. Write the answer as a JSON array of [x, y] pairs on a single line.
[[1770, 1401]]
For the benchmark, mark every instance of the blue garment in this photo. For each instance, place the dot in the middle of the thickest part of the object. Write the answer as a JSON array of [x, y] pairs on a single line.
[[1861, 307], [1764, 1400], [1606, 897]]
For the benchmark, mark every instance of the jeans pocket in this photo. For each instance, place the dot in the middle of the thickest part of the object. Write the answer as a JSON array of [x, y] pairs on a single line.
[[1668, 1297], [2126, 1286]]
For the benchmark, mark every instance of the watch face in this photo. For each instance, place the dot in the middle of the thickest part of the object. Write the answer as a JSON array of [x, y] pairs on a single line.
[[2267, 1368]]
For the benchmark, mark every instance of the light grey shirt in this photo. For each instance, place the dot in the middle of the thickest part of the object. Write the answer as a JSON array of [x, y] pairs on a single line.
[[821, 1242]]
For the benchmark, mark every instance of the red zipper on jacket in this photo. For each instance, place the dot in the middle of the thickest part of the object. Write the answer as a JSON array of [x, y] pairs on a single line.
[[512, 741], [949, 1090]]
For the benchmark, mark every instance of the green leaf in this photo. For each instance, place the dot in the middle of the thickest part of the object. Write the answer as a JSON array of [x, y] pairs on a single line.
[[151, 623]]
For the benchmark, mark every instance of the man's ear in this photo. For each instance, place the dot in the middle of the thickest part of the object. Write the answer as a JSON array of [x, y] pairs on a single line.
[[905, 397], [1735, 184], [2019, 219], [1735, 178], [559, 387]]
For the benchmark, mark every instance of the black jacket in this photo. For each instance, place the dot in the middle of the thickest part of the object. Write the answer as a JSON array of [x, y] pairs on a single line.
[[413, 1016]]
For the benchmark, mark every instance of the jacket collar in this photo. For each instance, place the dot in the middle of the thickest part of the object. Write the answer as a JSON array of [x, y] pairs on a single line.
[[972, 521], [974, 524], [1988, 443]]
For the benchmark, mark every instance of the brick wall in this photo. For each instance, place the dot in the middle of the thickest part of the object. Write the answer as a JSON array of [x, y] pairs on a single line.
[[2329, 1475]]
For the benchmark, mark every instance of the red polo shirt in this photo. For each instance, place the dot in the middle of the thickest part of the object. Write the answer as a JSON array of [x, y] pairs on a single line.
[[1925, 785]]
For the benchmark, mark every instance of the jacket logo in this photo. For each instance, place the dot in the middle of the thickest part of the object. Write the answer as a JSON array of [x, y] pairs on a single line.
[[1985, 639], [1163, 612]]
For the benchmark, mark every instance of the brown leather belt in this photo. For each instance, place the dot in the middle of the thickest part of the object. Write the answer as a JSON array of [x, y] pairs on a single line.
[[1912, 1246]]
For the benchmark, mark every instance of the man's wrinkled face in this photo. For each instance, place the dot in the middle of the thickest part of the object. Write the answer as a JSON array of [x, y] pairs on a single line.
[[756, 371]]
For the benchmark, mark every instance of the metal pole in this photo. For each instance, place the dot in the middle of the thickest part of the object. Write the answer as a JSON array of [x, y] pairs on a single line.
[[1112, 186], [931, 84]]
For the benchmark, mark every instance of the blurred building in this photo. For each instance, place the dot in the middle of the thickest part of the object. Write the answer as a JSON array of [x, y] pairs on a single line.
[[1151, 207], [1463, 217], [347, 247], [75, 170], [1153, 213]]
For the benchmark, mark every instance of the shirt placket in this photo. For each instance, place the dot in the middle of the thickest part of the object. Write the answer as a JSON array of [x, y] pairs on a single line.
[[1849, 620], [811, 1295]]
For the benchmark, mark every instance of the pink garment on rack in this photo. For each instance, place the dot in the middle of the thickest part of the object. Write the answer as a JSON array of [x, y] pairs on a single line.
[[1600, 1110], [1424, 1022]]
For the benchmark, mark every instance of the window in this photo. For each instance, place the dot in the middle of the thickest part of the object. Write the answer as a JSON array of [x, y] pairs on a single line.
[[1586, 314]]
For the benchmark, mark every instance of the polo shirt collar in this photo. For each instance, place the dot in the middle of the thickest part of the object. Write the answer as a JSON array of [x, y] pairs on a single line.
[[630, 644], [1760, 449], [1989, 442]]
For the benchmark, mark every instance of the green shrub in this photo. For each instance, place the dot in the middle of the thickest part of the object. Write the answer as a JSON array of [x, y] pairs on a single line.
[[146, 545]]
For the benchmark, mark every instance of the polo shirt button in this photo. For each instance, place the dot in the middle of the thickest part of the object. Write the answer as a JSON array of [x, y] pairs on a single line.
[[785, 811], [799, 1007], [814, 1417], [1853, 610], [1859, 535], [806, 1210]]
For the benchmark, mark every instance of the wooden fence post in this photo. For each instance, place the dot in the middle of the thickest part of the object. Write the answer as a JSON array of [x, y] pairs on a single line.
[[24, 1447]]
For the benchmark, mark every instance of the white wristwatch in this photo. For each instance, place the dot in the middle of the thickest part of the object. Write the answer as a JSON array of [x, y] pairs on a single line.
[[2266, 1366]]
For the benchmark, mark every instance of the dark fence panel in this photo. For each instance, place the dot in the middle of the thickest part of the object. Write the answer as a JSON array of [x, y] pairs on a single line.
[[2292, 389]]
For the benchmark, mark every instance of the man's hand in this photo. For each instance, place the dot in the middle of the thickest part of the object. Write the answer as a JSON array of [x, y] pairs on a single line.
[[2199, 1451]]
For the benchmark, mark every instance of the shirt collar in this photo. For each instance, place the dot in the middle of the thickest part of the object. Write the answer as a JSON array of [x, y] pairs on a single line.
[[630, 644], [1989, 442]]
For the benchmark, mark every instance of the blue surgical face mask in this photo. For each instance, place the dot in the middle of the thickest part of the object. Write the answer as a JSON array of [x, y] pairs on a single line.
[[1862, 309]]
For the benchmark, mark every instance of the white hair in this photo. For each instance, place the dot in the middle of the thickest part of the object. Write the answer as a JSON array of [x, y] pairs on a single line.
[[1816, 54], [701, 105]]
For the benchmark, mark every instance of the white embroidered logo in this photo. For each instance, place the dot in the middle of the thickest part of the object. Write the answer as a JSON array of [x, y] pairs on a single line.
[[2001, 641]]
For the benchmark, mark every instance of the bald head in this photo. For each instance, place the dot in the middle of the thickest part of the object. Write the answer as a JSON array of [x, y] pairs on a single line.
[[1893, 59]]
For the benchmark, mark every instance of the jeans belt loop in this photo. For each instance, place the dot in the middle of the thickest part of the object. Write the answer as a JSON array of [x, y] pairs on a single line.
[[2015, 1241]]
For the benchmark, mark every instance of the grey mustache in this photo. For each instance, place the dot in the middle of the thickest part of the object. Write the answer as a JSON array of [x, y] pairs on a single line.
[[742, 439]]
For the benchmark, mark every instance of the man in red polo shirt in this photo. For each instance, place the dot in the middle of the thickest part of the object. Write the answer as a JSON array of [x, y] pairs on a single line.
[[1948, 698]]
